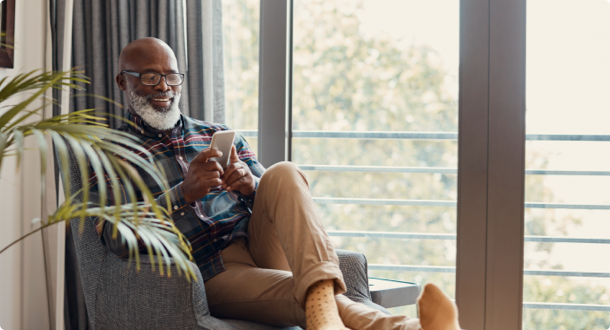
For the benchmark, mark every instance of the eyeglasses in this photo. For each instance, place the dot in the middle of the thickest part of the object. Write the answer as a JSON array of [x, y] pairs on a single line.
[[153, 79]]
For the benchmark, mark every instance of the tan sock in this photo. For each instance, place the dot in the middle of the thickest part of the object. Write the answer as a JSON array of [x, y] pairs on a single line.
[[321, 308], [436, 310]]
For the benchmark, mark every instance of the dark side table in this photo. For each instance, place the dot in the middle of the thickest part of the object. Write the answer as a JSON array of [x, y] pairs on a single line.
[[393, 293]]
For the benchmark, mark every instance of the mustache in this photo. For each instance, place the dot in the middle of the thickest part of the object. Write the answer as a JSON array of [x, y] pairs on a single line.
[[162, 94]]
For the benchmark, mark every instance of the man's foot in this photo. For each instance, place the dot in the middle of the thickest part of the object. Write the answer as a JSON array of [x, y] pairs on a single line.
[[321, 308], [436, 310]]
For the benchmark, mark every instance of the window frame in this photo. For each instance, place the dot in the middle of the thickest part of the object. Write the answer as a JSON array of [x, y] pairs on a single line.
[[275, 82]]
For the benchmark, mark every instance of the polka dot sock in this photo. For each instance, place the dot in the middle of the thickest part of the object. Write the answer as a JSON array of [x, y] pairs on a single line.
[[321, 308], [436, 310]]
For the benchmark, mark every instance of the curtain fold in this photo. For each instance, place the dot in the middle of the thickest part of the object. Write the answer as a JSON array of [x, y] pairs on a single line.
[[100, 30], [204, 38], [60, 23]]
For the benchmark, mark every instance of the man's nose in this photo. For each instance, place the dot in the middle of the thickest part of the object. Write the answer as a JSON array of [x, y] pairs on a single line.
[[162, 85]]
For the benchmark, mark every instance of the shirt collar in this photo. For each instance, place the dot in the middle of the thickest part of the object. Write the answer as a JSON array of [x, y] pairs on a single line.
[[142, 127]]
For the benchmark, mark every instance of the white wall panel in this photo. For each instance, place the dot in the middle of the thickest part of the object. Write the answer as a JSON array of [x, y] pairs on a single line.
[[22, 279]]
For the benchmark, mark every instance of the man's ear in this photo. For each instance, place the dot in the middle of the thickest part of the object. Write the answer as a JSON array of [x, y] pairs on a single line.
[[120, 81]]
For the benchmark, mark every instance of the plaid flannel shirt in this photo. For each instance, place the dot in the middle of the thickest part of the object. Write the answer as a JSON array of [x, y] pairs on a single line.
[[211, 222]]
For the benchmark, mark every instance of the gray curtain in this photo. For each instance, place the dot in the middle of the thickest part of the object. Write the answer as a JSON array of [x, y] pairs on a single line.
[[75, 312], [101, 28], [192, 28], [204, 23]]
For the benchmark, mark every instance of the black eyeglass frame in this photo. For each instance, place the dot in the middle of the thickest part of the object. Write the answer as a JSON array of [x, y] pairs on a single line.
[[161, 75]]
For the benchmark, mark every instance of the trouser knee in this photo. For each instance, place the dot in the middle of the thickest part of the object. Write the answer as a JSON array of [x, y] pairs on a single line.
[[284, 173]]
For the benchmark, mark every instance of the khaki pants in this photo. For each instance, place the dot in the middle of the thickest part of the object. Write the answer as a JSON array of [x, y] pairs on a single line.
[[287, 250]]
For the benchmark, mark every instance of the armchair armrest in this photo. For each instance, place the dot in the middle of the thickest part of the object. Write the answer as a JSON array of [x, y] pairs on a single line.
[[131, 299], [353, 265]]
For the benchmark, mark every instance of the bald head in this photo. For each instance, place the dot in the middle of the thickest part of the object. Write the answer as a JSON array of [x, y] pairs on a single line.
[[145, 50]]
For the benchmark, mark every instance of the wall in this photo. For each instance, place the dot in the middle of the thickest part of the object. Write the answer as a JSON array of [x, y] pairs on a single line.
[[22, 283]]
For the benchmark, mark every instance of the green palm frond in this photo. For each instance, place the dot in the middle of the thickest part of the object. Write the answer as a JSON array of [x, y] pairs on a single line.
[[158, 234], [108, 152]]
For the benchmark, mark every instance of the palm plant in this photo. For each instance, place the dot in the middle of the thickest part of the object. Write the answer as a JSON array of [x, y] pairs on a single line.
[[94, 145]]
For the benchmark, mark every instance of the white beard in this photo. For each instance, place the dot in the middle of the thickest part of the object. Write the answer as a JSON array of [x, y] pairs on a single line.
[[162, 119]]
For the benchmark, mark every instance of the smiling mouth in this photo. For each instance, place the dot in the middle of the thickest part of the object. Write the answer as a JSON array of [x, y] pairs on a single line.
[[161, 102]]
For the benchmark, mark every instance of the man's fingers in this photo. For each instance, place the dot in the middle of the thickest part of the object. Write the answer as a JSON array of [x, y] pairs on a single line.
[[228, 171], [214, 182], [233, 167], [234, 178], [234, 158], [206, 154], [212, 166], [210, 174], [237, 184], [234, 172]]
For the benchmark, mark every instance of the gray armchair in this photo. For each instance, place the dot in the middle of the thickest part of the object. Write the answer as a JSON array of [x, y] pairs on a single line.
[[119, 297]]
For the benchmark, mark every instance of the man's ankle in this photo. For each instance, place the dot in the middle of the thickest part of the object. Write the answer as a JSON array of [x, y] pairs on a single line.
[[321, 307]]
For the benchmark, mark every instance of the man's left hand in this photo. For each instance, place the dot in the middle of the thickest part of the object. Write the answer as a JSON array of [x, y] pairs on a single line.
[[237, 176]]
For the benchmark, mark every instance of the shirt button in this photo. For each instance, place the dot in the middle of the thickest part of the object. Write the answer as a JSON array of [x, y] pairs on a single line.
[[182, 213], [180, 157], [160, 135], [175, 207]]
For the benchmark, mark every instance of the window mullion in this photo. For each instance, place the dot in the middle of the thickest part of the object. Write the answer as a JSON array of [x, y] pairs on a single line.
[[491, 164], [274, 83]]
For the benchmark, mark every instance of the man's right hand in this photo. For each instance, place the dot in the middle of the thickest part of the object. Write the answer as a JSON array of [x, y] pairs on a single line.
[[202, 175]]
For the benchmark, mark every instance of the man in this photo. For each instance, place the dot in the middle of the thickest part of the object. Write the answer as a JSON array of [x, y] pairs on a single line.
[[257, 239]]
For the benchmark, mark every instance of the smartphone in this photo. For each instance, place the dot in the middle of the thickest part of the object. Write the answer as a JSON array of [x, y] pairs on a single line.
[[223, 141]]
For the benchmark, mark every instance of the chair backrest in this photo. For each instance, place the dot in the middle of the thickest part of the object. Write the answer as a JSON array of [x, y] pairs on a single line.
[[89, 249]]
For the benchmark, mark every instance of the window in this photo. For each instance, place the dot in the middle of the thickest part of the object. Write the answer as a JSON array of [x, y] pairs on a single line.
[[241, 23], [566, 283], [374, 119], [373, 145]]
